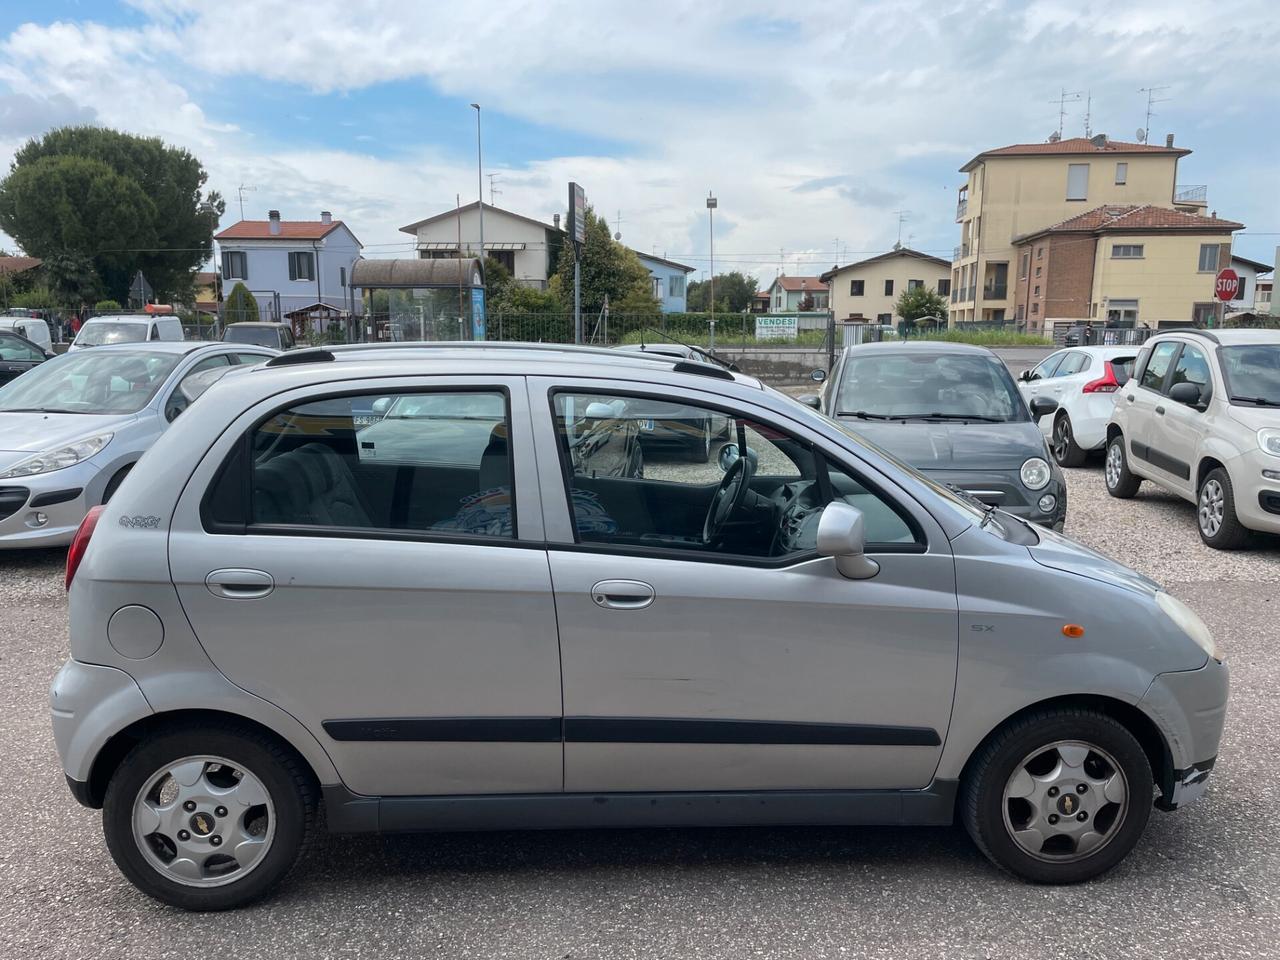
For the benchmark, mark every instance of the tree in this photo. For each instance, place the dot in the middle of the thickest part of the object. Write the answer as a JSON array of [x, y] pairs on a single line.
[[241, 306], [915, 304], [72, 279], [497, 279], [607, 269], [734, 291], [125, 202]]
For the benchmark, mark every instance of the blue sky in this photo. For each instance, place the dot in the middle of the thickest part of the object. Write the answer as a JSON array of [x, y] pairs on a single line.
[[814, 121]]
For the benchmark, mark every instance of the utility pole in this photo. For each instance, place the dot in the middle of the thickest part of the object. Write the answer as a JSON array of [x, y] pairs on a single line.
[[479, 184], [1151, 98], [711, 229], [1088, 115]]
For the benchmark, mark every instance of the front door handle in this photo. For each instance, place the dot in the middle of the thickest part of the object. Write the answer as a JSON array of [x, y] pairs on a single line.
[[622, 594], [234, 583], [1160, 410]]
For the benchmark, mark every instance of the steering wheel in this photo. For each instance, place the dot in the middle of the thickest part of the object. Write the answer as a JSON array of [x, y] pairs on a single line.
[[728, 498]]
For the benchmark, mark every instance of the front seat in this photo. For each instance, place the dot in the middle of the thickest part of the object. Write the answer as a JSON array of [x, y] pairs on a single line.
[[309, 485], [495, 462]]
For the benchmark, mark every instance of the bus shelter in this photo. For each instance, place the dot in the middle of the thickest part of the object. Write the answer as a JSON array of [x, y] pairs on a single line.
[[427, 299]]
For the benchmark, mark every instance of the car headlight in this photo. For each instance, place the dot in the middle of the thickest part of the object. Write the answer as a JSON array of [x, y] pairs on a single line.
[[1188, 622], [58, 458], [1269, 441], [1035, 473]]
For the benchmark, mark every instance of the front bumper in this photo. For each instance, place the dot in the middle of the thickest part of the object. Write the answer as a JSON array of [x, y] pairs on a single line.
[[1257, 497], [1189, 707], [60, 499]]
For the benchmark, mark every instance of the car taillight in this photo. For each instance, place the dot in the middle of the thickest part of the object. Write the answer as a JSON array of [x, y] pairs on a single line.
[[1107, 383], [80, 542]]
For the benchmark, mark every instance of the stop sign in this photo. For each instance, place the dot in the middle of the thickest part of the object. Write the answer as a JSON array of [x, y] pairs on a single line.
[[1227, 285]]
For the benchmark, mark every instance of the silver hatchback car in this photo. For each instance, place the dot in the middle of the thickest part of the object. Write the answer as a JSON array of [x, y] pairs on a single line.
[[456, 621]]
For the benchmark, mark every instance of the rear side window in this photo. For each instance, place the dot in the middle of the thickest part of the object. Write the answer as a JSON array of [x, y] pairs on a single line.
[[1158, 366], [415, 462]]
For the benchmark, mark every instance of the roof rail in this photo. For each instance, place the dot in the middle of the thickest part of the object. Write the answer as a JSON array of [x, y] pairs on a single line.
[[487, 345], [703, 369], [310, 355], [1212, 337]]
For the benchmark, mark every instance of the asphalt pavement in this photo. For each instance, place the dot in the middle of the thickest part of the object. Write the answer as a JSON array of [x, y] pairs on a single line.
[[1202, 883]]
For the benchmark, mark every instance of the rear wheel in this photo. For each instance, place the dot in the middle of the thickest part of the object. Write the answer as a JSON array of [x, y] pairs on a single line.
[[1062, 444], [1120, 482], [1060, 796], [1216, 517], [208, 817]]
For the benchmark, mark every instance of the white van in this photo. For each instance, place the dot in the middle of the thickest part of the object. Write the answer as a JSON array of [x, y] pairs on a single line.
[[33, 328], [137, 328]]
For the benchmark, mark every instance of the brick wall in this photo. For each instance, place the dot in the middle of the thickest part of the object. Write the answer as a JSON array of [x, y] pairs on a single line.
[[1068, 281]]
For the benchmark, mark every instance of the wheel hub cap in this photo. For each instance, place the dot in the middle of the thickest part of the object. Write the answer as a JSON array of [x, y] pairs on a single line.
[[1211, 507], [1113, 464]]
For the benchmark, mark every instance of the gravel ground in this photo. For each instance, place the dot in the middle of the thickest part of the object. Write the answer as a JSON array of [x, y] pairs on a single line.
[[1202, 882]]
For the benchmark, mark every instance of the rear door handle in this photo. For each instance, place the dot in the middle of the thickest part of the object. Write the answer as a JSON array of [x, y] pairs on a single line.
[[1160, 410], [622, 594], [234, 583], [1129, 397]]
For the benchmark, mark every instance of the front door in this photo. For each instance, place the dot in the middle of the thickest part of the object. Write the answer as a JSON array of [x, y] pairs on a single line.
[[1181, 428], [712, 650], [1142, 395], [360, 563]]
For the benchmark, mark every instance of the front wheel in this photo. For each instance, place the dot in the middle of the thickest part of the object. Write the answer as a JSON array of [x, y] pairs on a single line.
[[1120, 482], [1216, 517], [208, 817], [1060, 796]]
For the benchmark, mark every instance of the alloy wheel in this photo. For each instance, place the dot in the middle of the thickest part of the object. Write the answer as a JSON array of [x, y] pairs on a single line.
[[1115, 462], [1061, 439], [1065, 801], [1211, 507], [203, 821]]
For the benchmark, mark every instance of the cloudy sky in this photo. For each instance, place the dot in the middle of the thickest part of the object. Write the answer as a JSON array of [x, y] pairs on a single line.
[[814, 123]]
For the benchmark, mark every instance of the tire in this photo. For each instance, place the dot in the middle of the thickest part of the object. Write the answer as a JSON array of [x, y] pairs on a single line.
[[1118, 793], [1062, 444], [268, 769], [114, 483], [1216, 517], [1120, 482], [700, 450]]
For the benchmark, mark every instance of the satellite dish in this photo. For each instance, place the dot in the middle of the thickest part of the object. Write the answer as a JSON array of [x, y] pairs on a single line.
[[618, 235], [1142, 135], [1055, 137]]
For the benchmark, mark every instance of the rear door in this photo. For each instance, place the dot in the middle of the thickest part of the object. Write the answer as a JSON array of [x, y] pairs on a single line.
[[384, 582]]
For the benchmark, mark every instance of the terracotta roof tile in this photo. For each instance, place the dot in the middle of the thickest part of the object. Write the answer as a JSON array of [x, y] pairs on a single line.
[[793, 284], [289, 230], [1112, 218], [18, 264], [1075, 145]]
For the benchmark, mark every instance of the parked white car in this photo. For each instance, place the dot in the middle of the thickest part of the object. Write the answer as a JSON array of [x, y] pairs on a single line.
[[1084, 382], [33, 328], [139, 328]]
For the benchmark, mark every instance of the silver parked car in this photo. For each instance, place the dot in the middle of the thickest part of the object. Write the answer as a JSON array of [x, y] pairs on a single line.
[[72, 427], [285, 608]]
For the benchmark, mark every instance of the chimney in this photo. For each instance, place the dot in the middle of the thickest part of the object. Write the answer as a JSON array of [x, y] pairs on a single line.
[[273, 218], [1168, 139], [556, 220], [326, 217]]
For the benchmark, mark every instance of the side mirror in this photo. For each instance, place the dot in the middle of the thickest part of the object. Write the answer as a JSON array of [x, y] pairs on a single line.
[[1185, 393], [729, 453], [841, 536], [1043, 406], [382, 405], [811, 400], [1024, 376], [817, 376], [598, 411]]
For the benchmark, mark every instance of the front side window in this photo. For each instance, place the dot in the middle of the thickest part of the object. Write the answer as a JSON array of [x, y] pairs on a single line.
[[1208, 258], [436, 462], [1072, 363], [1158, 365], [90, 381], [761, 505], [1192, 367], [926, 386], [1047, 367], [235, 265], [13, 348], [302, 266]]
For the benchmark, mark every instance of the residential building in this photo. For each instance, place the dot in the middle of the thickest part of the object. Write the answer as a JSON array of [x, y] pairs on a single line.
[[1263, 300], [291, 266], [1249, 271], [1123, 265], [870, 288], [791, 294], [525, 246], [208, 292], [1015, 190], [669, 280]]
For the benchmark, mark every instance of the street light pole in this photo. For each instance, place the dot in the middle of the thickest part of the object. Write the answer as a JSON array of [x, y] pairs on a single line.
[[711, 229], [479, 184]]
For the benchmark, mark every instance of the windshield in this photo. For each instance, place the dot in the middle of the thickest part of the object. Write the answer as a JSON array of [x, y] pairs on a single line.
[[109, 381], [95, 334], [906, 386], [1252, 373], [262, 336]]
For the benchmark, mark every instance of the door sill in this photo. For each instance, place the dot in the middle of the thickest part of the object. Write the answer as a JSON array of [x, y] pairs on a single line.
[[347, 812]]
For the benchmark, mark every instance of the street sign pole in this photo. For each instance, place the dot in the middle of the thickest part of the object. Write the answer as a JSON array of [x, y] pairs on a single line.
[[577, 297], [1226, 286], [577, 236]]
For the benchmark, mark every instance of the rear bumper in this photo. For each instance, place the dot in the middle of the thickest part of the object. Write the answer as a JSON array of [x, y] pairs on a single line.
[[89, 704]]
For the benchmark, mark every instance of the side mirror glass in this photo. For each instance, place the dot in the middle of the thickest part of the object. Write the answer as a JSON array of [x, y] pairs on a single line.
[[810, 400], [729, 453], [598, 411], [1185, 393], [1043, 406], [381, 405], [817, 376], [842, 536]]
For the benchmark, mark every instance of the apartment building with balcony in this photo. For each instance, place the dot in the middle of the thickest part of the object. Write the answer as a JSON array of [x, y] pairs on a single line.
[[1015, 190]]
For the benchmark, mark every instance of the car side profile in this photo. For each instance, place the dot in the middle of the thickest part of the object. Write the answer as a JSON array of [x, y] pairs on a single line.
[[1083, 382], [18, 355], [290, 609], [278, 336], [1201, 418]]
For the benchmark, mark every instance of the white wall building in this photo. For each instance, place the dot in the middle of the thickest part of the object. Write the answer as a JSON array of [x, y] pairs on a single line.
[[521, 244]]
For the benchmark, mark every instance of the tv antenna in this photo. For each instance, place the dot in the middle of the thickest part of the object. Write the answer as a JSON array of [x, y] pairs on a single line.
[[1088, 114], [617, 225], [1151, 98], [903, 216], [240, 192], [493, 192], [1062, 100]]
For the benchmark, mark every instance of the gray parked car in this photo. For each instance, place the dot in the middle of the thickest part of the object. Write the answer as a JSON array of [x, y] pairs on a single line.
[[72, 427], [952, 411], [270, 617]]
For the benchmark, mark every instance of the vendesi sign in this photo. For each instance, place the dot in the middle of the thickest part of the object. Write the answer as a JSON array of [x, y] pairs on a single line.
[[777, 327]]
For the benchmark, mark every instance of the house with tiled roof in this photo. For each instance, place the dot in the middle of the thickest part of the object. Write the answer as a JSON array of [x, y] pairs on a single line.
[[299, 271], [1014, 190], [869, 289], [1122, 265], [795, 294]]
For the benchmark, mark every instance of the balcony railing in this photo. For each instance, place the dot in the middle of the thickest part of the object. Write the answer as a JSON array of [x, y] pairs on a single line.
[[995, 291], [1191, 193], [960, 251], [971, 293], [962, 207]]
